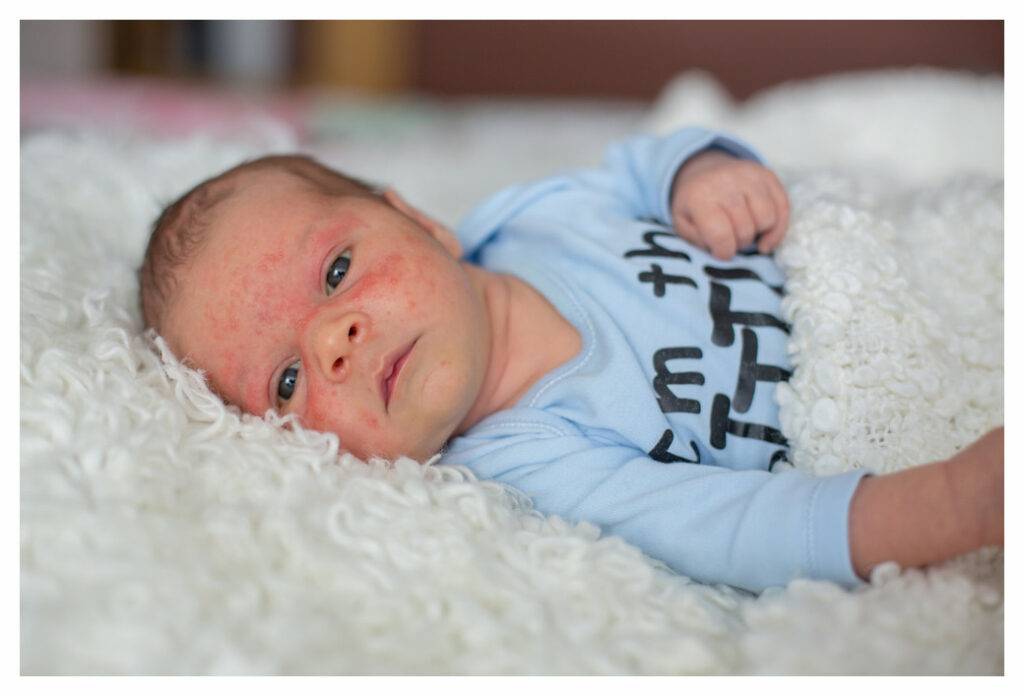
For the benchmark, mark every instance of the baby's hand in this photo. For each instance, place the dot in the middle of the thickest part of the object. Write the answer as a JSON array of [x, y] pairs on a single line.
[[722, 203]]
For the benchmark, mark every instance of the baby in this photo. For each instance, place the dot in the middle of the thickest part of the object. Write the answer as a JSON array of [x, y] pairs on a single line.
[[607, 341]]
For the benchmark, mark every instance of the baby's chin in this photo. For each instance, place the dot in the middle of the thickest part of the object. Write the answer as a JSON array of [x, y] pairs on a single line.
[[418, 453], [424, 450], [375, 435], [417, 446]]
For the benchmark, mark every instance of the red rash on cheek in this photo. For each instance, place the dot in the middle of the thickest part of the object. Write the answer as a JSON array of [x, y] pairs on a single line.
[[314, 416], [402, 280], [317, 413], [369, 420], [214, 326], [230, 360], [385, 277]]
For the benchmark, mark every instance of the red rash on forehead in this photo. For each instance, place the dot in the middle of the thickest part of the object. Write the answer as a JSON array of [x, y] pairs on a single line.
[[248, 294], [274, 307], [314, 412], [270, 261], [254, 394], [213, 323], [279, 295], [265, 289], [344, 223]]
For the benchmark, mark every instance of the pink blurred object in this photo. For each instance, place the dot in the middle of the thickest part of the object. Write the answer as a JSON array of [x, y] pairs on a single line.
[[157, 108]]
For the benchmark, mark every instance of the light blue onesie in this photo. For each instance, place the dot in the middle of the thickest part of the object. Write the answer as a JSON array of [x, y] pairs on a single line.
[[664, 429]]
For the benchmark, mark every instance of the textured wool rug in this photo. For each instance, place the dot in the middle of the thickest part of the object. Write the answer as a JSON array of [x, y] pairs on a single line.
[[164, 533]]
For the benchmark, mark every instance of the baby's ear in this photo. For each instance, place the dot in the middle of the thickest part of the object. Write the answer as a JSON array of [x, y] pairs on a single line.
[[435, 228]]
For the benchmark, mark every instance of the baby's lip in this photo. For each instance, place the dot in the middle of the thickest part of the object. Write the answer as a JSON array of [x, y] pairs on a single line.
[[388, 374]]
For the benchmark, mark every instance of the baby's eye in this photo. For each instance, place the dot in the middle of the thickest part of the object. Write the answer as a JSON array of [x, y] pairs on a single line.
[[286, 386], [336, 273]]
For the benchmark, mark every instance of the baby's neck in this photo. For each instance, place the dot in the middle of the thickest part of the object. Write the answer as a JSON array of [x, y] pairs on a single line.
[[529, 338]]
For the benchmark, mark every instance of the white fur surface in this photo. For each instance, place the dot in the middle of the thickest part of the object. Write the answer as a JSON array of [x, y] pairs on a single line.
[[163, 533]]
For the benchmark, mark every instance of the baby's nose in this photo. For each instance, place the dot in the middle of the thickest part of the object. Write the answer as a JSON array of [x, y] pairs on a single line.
[[335, 342]]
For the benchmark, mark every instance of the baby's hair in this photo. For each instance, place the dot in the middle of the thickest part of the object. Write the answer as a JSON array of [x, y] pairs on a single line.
[[181, 227]]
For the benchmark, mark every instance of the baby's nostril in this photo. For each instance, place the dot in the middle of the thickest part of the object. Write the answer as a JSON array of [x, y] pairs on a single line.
[[352, 331], [337, 364]]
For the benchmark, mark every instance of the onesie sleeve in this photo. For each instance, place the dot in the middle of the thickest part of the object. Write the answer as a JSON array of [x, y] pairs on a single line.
[[748, 529], [637, 172], [641, 169]]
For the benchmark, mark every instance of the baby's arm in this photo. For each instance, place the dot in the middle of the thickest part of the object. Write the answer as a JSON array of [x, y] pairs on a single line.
[[722, 203], [930, 513]]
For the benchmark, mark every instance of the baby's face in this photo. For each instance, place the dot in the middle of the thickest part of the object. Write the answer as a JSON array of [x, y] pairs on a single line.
[[355, 317]]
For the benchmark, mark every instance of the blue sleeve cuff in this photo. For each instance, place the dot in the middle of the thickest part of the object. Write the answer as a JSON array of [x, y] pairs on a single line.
[[828, 529]]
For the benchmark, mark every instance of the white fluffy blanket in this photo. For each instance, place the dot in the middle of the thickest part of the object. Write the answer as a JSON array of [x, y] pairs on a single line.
[[162, 533]]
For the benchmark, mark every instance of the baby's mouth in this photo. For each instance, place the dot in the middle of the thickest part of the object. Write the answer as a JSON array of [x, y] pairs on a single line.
[[391, 377]]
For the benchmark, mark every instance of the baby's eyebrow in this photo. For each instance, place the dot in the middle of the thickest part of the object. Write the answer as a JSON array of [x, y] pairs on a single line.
[[311, 237], [345, 223], [307, 235]]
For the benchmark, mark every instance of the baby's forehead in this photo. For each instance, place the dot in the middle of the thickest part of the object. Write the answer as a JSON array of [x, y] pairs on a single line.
[[260, 189], [300, 173], [269, 178]]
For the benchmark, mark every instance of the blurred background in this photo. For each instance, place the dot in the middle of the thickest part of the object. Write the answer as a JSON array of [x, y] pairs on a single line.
[[604, 59], [449, 111]]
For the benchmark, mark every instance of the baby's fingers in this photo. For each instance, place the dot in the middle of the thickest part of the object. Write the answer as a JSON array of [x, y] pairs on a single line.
[[774, 234], [744, 225], [762, 210], [716, 230], [687, 229]]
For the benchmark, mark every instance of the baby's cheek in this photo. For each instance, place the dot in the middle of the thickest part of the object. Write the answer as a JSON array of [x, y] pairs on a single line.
[[405, 280], [315, 416], [214, 327], [422, 271], [369, 419], [384, 278], [362, 434], [321, 414], [230, 358]]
